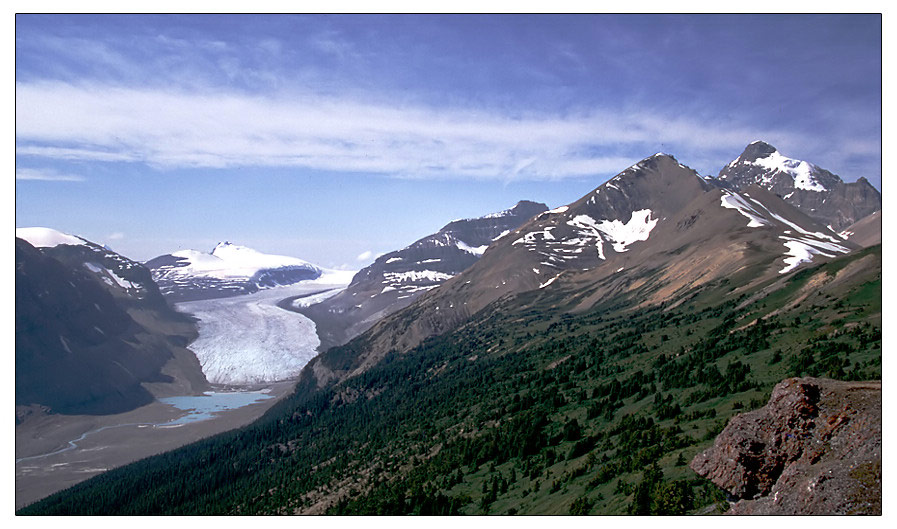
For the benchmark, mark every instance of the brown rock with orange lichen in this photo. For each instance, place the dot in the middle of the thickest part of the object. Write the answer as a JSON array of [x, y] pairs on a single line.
[[815, 448]]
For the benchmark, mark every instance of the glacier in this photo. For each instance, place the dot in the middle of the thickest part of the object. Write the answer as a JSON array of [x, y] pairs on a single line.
[[248, 339]]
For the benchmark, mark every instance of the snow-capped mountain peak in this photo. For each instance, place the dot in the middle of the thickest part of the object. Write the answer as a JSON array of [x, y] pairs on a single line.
[[818, 193], [235, 255], [767, 167], [229, 269]]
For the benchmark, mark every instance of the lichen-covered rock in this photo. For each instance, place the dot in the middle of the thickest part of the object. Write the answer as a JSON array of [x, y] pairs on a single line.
[[815, 448]]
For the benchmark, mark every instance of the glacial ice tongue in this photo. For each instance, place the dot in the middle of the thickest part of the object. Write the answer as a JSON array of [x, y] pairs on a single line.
[[249, 339]]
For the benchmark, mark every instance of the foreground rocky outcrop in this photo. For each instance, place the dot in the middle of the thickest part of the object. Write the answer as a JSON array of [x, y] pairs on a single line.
[[815, 448]]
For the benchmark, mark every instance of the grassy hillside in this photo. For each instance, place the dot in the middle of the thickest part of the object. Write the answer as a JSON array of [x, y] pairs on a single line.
[[527, 409]]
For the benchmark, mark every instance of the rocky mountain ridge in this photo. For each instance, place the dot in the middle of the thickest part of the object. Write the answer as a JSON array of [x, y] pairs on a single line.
[[657, 231], [397, 278]]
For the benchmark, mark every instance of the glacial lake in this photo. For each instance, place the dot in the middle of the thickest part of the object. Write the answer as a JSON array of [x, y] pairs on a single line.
[[202, 407]]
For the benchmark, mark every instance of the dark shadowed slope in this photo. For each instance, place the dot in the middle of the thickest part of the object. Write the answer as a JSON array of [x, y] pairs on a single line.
[[93, 334]]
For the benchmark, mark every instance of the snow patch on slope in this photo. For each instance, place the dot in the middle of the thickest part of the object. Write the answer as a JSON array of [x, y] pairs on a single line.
[[415, 275], [618, 233], [550, 281], [637, 229], [533, 236], [475, 250], [802, 250], [502, 234], [111, 278], [738, 203]]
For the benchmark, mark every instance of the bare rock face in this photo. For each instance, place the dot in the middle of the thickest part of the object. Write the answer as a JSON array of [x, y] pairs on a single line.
[[815, 448]]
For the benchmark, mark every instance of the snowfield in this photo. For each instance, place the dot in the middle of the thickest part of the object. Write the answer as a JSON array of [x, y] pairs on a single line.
[[228, 261], [47, 237], [249, 339]]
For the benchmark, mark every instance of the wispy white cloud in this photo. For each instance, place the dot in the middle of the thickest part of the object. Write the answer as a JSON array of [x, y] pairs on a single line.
[[96, 122], [115, 236], [364, 256], [46, 175]]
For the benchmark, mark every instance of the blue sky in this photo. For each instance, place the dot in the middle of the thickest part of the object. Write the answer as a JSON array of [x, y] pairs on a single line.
[[331, 138]]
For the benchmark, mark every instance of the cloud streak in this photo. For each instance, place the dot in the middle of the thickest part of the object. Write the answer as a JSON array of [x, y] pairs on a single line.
[[46, 175], [180, 129]]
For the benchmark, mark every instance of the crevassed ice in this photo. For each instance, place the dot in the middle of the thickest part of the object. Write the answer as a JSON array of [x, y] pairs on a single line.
[[249, 339]]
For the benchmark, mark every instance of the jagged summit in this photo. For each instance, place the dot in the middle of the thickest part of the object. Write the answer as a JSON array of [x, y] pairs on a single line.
[[763, 164], [757, 149], [822, 195], [526, 208]]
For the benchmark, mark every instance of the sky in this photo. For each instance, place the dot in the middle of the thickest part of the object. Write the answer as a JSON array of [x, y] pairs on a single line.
[[338, 138]]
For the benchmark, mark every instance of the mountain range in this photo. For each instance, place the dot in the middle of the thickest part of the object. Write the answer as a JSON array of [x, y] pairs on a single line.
[[658, 232], [397, 278], [574, 367]]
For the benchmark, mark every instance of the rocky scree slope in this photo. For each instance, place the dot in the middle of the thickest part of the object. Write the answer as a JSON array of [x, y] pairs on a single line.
[[865, 232], [815, 448]]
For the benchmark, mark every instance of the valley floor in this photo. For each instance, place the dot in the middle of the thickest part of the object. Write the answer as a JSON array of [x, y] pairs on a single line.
[[243, 341], [46, 462]]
